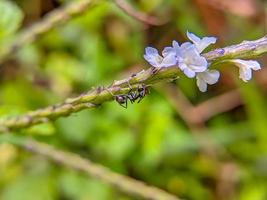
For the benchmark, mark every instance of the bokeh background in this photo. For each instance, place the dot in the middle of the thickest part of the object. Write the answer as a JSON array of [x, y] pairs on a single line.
[[198, 146]]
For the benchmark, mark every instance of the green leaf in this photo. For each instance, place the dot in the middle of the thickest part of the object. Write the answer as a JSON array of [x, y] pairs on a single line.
[[256, 110], [75, 128], [253, 191], [30, 187], [76, 186], [11, 18]]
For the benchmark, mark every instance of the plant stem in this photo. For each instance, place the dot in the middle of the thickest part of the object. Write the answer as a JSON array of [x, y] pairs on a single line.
[[74, 161], [51, 20], [99, 95]]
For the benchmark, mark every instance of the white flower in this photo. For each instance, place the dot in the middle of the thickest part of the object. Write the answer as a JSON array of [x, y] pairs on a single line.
[[188, 58], [153, 57], [175, 49], [246, 67], [203, 43], [207, 77]]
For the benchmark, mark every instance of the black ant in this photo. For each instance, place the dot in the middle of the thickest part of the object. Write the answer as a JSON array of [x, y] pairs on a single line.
[[132, 96], [141, 92], [122, 99]]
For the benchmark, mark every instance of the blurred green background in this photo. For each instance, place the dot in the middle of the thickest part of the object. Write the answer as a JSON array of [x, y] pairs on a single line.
[[198, 146]]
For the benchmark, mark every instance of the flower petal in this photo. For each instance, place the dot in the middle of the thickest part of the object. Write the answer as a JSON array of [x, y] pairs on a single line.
[[168, 50], [169, 60], [182, 65], [246, 67], [210, 76], [189, 60], [151, 51], [185, 46], [152, 56], [194, 60], [175, 44], [249, 63], [201, 84], [189, 73], [245, 73], [193, 37], [203, 43], [174, 49]]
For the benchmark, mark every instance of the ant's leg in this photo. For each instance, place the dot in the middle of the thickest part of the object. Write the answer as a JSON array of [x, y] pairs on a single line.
[[131, 89], [138, 96], [143, 91], [110, 92], [140, 99], [133, 99], [126, 103], [132, 96], [128, 81], [121, 100]]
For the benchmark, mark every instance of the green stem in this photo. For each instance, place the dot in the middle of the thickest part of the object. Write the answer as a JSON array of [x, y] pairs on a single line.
[[99, 95], [74, 161], [51, 20]]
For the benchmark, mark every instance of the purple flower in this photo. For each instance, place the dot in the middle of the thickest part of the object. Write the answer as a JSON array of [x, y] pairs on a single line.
[[156, 60], [188, 58], [246, 67], [207, 77], [201, 44]]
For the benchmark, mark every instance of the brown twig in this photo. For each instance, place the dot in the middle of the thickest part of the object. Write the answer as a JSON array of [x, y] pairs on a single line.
[[216, 105], [184, 108], [74, 161], [244, 8], [51, 20], [138, 15]]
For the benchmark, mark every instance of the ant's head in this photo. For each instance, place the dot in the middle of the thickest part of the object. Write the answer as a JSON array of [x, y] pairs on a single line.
[[121, 99]]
